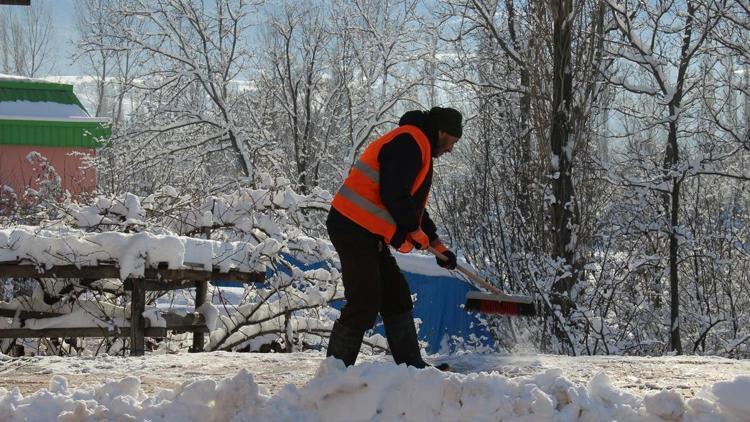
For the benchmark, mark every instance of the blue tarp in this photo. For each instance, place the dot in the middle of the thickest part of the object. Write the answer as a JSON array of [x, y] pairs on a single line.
[[439, 304], [269, 271], [440, 307]]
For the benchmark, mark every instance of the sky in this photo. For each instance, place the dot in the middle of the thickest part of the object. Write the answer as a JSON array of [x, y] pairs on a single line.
[[63, 12], [64, 22]]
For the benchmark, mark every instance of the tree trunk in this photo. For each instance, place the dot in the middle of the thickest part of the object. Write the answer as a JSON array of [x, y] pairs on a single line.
[[101, 86], [563, 219], [525, 179], [672, 158], [671, 162]]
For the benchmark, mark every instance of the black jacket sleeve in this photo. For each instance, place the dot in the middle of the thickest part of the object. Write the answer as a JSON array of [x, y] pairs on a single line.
[[428, 227], [400, 162]]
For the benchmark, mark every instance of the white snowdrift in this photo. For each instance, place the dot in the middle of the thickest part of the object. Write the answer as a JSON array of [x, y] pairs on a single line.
[[379, 391]]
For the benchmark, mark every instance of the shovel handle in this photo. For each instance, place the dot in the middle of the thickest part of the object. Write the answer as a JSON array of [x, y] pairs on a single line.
[[484, 283], [468, 273]]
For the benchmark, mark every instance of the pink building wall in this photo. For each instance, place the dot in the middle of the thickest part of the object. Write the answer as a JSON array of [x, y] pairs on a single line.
[[18, 173]]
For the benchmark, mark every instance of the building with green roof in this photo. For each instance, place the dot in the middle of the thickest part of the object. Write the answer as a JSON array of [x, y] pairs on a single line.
[[45, 117]]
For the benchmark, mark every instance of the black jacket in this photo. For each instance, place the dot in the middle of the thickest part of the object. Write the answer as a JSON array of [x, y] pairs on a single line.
[[400, 162]]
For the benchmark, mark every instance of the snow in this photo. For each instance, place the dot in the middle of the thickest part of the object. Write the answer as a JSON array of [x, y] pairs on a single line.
[[17, 78], [555, 161], [133, 252], [734, 394], [40, 109], [305, 386], [421, 263], [85, 314], [153, 315], [210, 314], [665, 404]]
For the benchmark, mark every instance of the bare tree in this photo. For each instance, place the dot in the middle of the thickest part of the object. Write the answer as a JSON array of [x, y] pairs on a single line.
[[336, 72], [185, 57], [113, 70], [25, 40], [666, 59], [537, 89], [297, 79]]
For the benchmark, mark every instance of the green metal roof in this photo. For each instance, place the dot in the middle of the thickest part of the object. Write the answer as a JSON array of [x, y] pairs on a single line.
[[11, 90], [69, 134], [44, 131]]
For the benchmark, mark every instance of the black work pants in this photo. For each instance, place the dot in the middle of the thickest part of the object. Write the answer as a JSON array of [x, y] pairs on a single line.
[[373, 283]]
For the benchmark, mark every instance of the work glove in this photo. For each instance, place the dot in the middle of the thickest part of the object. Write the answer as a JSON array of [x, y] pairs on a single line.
[[418, 238], [406, 247], [450, 263], [400, 242], [398, 239]]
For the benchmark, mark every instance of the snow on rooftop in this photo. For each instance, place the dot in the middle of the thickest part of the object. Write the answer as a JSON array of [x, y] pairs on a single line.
[[24, 109], [37, 109], [17, 78], [133, 252]]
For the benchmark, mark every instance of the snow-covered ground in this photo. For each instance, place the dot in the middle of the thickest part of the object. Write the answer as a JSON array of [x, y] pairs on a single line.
[[304, 386]]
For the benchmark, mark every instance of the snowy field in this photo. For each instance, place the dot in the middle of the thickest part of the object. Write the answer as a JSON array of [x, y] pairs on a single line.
[[303, 386]]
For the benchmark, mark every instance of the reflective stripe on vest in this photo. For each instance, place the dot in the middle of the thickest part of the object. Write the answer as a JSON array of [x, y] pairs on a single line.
[[368, 171], [359, 197]]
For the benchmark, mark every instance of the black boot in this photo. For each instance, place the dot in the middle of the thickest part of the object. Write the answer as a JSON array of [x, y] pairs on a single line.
[[344, 343], [402, 340]]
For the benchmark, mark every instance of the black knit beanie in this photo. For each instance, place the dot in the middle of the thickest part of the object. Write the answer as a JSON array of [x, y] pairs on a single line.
[[448, 120]]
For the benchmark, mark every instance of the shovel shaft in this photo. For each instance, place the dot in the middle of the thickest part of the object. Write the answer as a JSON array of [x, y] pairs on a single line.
[[468, 273], [482, 282]]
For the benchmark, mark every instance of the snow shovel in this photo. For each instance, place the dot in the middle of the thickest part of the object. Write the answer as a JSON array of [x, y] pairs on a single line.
[[495, 302]]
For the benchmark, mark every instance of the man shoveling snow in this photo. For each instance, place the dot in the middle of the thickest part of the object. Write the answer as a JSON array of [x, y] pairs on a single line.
[[382, 202]]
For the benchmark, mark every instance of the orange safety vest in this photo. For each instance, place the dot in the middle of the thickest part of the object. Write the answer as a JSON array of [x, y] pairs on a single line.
[[359, 200]]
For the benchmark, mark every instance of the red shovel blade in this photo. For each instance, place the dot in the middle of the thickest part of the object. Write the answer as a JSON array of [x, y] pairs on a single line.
[[492, 305]]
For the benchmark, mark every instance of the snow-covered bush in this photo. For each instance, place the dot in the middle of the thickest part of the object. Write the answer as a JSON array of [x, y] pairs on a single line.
[[280, 227]]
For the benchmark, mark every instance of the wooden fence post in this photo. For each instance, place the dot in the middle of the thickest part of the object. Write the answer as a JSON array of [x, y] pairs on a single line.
[[201, 293], [137, 322], [288, 334]]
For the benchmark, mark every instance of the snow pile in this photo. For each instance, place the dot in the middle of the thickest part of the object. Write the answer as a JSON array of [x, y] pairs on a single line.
[[201, 400], [133, 252], [378, 391], [734, 395]]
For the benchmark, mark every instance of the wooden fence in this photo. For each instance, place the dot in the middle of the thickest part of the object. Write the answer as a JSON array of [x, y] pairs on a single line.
[[155, 279]]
